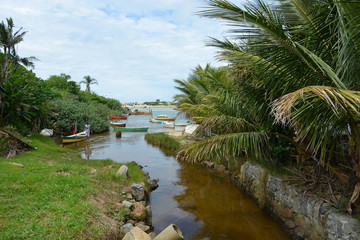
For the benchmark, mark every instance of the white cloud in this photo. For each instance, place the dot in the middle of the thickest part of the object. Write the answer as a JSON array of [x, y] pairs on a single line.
[[135, 49]]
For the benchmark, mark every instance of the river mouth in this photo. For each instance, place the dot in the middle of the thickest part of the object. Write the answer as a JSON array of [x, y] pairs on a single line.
[[203, 203]]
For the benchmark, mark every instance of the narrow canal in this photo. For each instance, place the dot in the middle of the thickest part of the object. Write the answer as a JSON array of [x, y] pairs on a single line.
[[202, 203]]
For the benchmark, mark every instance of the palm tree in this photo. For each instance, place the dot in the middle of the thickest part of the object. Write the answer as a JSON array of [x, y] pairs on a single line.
[[8, 41], [302, 58], [88, 80]]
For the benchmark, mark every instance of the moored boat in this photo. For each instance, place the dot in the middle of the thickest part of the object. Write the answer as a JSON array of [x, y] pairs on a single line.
[[153, 120], [167, 124], [118, 118], [164, 118], [77, 137], [131, 129], [117, 124]]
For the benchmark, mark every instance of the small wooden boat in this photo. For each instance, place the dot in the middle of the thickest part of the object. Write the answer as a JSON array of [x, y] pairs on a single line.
[[164, 118], [167, 124], [181, 124], [153, 120], [117, 124], [132, 129], [118, 118], [77, 137]]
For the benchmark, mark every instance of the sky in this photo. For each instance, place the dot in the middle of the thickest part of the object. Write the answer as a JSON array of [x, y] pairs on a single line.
[[133, 48]]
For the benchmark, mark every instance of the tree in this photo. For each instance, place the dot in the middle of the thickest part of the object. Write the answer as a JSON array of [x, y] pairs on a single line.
[[88, 81], [303, 58], [8, 41], [62, 82]]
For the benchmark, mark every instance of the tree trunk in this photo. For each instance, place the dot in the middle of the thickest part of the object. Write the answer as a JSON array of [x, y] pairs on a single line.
[[355, 157]]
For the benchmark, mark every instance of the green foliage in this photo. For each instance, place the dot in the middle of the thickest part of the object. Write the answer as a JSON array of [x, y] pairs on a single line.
[[70, 112], [24, 101], [113, 104], [61, 82]]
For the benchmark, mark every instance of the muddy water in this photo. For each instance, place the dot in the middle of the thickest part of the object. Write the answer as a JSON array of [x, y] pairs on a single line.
[[202, 203]]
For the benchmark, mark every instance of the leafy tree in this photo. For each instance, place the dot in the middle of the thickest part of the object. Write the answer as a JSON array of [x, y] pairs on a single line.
[[62, 82], [88, 81]]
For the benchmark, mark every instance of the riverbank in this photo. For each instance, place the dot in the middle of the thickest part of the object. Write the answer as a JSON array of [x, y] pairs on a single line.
[[303, 216], [53, 193]]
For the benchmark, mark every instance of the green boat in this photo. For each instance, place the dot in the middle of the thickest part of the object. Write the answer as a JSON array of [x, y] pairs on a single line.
[[130, 129]]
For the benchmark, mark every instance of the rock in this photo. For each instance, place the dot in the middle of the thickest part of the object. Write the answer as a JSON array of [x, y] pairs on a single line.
[[152, 235], [137, 190], [126, 203], [93, 171], [219, 168], [129, 196], [138, 212], [290, 224], [123, 171], [143, 226], [136, 234], [287, 213], [125, 228], [153, 183], [149, 215], [16, 164]]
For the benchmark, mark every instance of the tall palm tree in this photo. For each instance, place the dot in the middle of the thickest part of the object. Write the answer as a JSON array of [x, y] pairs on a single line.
[[8, 40], [292, 50], [88, 81]]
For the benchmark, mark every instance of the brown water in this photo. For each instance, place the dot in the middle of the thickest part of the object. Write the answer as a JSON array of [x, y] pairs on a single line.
[[204, 204]]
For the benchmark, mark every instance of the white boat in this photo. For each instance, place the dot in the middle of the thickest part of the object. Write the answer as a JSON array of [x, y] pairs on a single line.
[[168, 124]]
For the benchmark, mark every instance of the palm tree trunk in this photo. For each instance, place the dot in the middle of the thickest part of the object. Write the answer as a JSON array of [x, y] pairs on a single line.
[[355, 155]]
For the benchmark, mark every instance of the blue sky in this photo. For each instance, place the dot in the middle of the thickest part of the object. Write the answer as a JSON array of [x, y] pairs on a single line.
[[135, 49]]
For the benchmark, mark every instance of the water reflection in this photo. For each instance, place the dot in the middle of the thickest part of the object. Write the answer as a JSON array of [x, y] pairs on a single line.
[[87, 150], [223, 211]]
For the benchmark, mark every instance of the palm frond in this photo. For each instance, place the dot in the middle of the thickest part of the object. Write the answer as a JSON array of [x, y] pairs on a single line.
[[223, 125], [228, 145]]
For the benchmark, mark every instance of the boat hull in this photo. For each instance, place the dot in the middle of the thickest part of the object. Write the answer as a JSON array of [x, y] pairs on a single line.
[[118, 118], [125, 129], [164, 119], [74, 138], [117, 124]]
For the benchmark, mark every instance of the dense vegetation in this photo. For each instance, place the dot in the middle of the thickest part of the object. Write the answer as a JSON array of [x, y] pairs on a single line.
[[289, 94], [29, 103]]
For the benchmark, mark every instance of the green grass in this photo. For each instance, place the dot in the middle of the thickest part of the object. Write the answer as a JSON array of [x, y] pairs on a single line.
[[168, 144], [56, 195]]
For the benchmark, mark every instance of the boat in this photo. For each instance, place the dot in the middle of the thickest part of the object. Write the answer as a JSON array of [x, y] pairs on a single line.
[[164, 118], [131, 129], [117, 124], [118, 118], [77, 137], [181, 124], [153, 120], [167, 124]]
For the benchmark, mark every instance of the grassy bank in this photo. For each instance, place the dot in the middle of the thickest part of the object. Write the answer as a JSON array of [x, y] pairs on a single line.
[[168, 144], [58, 195]]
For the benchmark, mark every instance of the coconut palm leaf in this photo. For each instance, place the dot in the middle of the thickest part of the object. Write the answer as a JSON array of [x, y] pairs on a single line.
[[322, 116], [223, 125], [228, 146]]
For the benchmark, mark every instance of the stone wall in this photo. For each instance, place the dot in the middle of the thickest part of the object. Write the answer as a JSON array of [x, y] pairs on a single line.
[[302, 216]]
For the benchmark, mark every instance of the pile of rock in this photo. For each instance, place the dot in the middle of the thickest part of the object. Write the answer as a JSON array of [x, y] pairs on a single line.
[[172, 232]]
